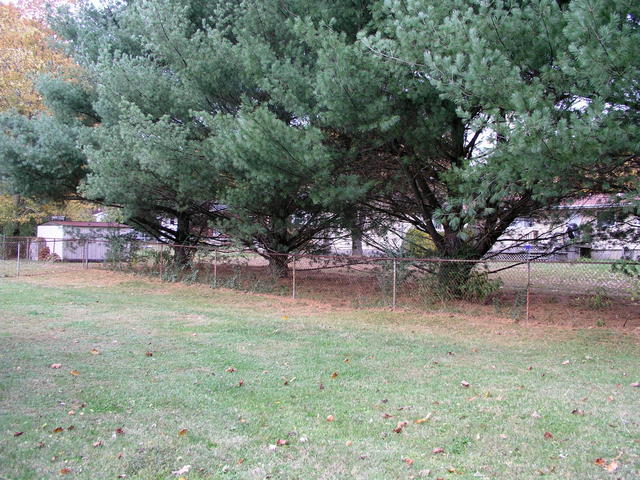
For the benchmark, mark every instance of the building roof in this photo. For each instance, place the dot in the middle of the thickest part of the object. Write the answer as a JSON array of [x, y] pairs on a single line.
[[65, 223], [595, 202]]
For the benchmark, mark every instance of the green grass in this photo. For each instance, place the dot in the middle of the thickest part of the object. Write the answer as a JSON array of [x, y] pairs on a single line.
[[401, 364]]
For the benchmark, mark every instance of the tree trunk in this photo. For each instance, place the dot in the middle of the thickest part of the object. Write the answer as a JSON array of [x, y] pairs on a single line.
[[182, 252], [356, 243], [279, 265]]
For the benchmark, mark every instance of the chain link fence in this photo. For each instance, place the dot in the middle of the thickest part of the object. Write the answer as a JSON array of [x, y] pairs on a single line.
[[339, 280]]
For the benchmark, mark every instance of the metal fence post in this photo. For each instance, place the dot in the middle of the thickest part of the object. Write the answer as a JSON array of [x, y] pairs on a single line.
[[293, 286], [528, 281], [18, 261], [215, 268], [393, 295]]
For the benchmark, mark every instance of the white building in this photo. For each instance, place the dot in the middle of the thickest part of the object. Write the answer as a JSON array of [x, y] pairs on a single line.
[[77, 241]]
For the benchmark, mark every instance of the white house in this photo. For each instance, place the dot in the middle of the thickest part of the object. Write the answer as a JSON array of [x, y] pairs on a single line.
[[77, 241]]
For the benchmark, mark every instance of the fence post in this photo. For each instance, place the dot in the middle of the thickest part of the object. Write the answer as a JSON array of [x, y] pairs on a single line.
[[161, 261], [18, 261], [528, 281], [215, 268], [85, 254], [293, 286], [393, 296]]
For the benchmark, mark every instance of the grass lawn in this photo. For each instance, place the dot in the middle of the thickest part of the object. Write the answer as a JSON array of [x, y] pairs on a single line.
[[156, 377]]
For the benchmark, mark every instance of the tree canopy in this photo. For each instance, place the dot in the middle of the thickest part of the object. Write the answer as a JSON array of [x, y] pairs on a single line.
[[275, 121]]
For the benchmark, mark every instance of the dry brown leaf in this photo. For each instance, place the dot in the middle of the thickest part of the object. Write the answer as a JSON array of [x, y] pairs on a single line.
[[241, 383], [71, 427], [119, 431], [149, 354], [408, 461], [635, 384], [600, 462], [386, 415], [65, 471], [95, 351], [577, 411], [74, 372], [400, 426], [17, 434], [58, 430], [437, 450], [346, 360], [230, 370], [612, 467], [281, 442], [465, 384], [348, 443], [334, 374], [71, 412], [330, 418], [97, 444], [55, 365], [183, 432], [423, 420], [548, 435], [182, 470]]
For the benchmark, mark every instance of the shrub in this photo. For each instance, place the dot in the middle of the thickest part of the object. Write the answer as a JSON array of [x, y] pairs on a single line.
[[418, 244]]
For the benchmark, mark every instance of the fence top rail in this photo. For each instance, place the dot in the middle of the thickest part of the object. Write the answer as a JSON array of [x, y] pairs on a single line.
[[347, 259]]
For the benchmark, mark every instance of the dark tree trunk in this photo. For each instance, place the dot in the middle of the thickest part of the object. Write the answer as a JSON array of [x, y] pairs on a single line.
[[279, 265], [183, 253]]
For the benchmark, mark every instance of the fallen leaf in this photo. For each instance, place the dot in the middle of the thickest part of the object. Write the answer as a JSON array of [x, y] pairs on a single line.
[[55, 365], [577, 411], [230, 370], [71, 412], [566, 362], [41, 445], [97, 444], [281, 442], [346, 360], [465, 384], [612, 467], [437, 450], [334, 374], [17, 434], [241, 383], [330, 418], [321, 387], [149, 354], [58, 430], [408, 461], [548, 435], [119, 431], [400, 426], [65, 471], [95, 351], [182, 470], [71, 427], [348, 443], [183, 432], [422, 420], [535, 415], [600, 462], [386, 415], [74, 372], [240, 461], [452, 470], [635, 384]]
